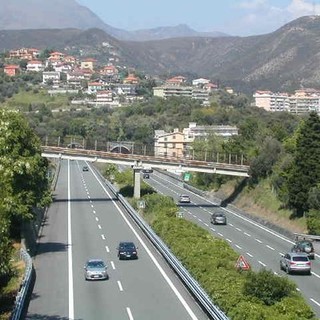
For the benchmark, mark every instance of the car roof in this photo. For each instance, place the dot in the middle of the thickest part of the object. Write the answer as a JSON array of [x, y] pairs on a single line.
[[219, 213], [304, 242], [126, 243], [297, 254], [95, 260]]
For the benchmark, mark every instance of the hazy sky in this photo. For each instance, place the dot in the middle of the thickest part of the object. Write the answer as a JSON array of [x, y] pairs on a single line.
[[235, 17]]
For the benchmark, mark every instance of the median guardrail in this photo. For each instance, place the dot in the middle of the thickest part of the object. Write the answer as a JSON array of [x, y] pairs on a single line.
[[24, 288], [194, 287]]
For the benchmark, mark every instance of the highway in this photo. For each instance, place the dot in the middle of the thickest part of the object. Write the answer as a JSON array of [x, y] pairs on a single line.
[[83, 222], [261, 247]]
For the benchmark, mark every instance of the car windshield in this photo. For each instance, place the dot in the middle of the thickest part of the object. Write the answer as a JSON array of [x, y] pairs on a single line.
[[306, 244], [219, 215], [127, 245], [300, 258], [96, 264]]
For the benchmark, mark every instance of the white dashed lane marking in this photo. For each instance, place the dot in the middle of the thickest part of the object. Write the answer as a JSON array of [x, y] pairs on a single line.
[[120, 286]]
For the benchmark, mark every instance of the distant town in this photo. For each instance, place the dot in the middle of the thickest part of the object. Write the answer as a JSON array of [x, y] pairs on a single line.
[[113, 85]]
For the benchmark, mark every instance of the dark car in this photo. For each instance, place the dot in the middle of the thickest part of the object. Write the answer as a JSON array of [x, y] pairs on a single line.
[[95, 269], [85, 168], [147, 170], [295, 262], [305, 246], [218, 218], [146, 176], [127, 250]]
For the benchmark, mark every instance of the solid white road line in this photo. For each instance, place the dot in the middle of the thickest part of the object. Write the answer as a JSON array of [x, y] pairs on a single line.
[[70, 273]]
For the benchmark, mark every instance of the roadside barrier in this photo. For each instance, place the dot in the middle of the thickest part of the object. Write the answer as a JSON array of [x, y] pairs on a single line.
[[24, 288]]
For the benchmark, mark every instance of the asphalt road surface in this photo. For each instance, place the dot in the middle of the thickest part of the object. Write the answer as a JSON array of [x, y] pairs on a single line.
[[83, 222]]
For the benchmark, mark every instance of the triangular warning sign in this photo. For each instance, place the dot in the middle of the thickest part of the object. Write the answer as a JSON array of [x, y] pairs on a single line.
[[242, 263]]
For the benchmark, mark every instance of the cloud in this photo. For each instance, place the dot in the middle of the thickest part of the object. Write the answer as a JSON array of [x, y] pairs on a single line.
[[298, 8], [260, 16], [252, 4]]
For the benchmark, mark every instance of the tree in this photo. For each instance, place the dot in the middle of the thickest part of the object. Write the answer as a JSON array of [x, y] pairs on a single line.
[[23, 171], [306, 160]]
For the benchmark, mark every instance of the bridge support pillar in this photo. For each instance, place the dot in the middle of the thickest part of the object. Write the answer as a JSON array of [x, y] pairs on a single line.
[[136, 183]]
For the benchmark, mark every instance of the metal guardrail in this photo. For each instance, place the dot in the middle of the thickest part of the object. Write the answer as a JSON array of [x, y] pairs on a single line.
[[198, 292], [300, 236], [24, 288]]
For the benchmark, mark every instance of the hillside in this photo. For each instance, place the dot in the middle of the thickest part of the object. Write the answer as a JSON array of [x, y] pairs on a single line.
[[61, 14], [285, 60]]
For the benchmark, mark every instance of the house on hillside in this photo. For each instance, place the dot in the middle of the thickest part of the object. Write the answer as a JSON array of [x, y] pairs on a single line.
[[169, 144], [88, 63], [131, 79], [24, 54], [176, 81], [35, 66], [11, 69], [94, 87], [104, 96], [51, 76], [56, 56]]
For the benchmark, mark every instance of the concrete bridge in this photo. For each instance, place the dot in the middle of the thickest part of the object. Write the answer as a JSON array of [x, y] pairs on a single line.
[[139, 162]]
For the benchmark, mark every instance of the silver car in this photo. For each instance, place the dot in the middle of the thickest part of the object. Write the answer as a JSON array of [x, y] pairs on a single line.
[[95, 269], [184, 198], [295, 262], [219, 218]]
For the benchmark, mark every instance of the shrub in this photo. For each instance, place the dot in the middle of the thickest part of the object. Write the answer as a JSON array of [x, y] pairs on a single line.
[[267, 287]]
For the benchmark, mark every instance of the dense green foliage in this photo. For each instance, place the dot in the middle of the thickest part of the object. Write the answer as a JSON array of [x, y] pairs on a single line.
[[24, 183]]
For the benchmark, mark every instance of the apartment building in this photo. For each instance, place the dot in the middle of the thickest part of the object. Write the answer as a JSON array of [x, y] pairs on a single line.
[[301, 102], [271, 101], [172, 91], [201, 132]]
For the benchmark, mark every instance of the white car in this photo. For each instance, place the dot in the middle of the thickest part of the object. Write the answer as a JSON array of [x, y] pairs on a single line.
[[184, 198]]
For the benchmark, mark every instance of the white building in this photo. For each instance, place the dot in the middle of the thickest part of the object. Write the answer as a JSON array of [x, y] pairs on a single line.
[[35, 66], [301, 102], [53, 76], [200, 82]]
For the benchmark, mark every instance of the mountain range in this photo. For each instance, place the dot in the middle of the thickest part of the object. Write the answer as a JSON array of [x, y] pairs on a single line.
[[284, 60], [61, 14]]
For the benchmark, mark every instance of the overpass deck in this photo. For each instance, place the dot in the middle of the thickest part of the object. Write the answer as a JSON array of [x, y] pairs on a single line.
[[145, 161]]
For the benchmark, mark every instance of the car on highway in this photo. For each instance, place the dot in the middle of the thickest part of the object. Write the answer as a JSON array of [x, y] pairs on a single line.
[[127, 250], [304, 246], [184, 198], [95, 269], [146, 176], [85, 168], [297, 262], [218, 218]]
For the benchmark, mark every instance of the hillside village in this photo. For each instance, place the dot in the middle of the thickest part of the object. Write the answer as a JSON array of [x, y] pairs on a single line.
[[108, 84]]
